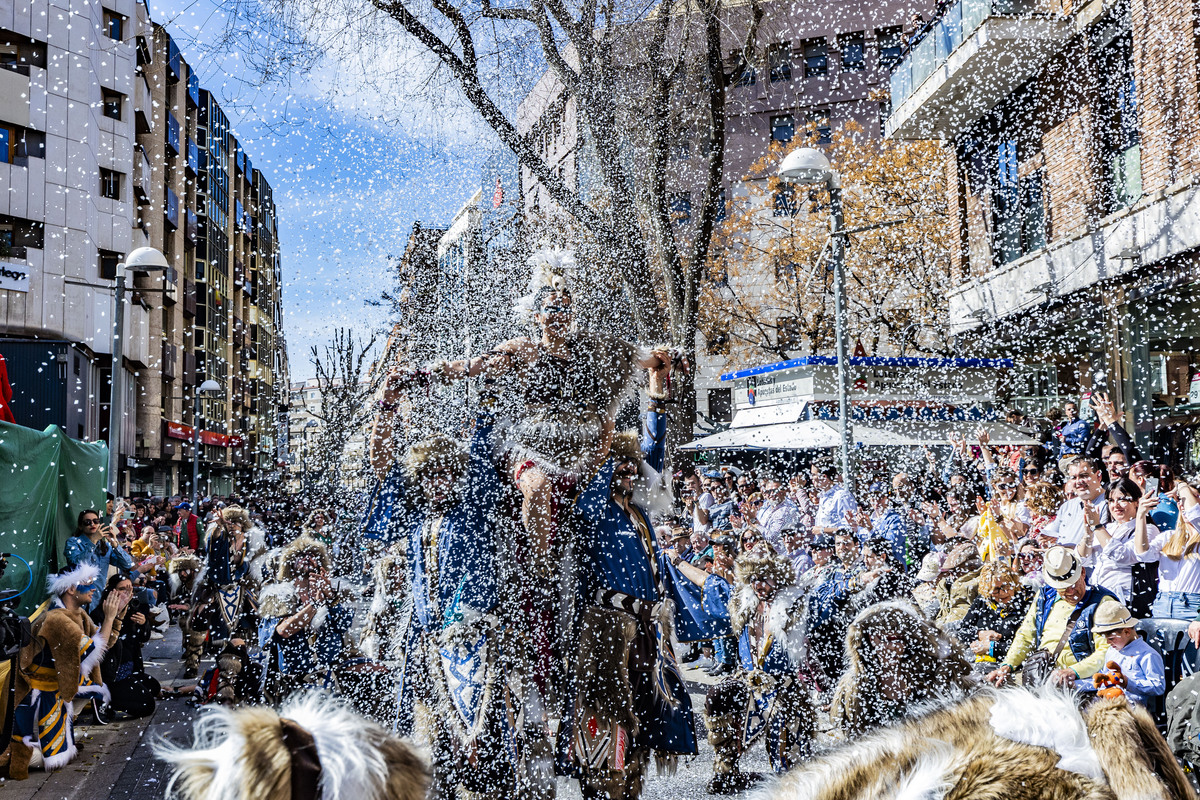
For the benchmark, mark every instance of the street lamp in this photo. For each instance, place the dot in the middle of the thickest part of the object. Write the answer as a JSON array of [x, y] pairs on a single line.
[[143, 259], [809, 166], [197, 422]]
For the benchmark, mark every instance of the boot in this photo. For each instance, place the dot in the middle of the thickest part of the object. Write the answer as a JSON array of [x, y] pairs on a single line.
[[18, 763]]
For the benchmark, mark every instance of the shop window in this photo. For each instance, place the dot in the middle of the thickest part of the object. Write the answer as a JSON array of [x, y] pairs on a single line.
[[853, 47], [779, 58]]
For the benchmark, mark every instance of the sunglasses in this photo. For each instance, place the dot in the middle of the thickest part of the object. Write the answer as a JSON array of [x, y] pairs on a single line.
[[556, 309], [91, 521], [1006, 486]]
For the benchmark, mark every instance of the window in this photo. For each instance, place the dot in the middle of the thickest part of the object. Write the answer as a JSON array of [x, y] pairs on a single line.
[[17, 234], [891, 46], [112, 102], [18, 145], [816, 58], [681, 145], [785, 201], [722, 207], [110, 184], [1118, 118], [819, 120], [18, 53], [108, 264], [779, 59], [681, 207], [720, 403], [853, 47], [743, 73], [788, 334], [1018, 206], [783, 128], [114, 25]]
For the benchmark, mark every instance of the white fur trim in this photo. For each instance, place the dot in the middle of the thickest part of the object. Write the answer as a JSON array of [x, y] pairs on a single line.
[[82, 575], [218, 746], [95, 657], [786, 622], [934, 774], [1047, 717], [320, 617], [349, 767], [651, 492]]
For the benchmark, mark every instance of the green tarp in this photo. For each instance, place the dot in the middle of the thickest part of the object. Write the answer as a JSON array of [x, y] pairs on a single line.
[[46, 479]]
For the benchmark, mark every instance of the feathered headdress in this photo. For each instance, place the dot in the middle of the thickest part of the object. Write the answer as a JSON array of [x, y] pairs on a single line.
[[553, 267], [82, 575]]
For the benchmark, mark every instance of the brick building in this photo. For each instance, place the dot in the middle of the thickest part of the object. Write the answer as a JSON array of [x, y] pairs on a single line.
[[824, 63], [1073, 127]]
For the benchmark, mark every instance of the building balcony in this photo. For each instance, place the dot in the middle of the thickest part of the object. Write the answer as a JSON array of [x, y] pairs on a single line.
[[970, 59], [143, 106], [142, 176], [1162, 226]]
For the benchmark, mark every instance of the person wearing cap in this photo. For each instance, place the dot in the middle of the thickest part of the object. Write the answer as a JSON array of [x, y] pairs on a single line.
[[1065, 593], [187, 528], [1129, 662]]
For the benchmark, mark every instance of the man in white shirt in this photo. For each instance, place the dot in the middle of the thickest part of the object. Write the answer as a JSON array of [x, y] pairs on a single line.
[[1086, 509], [778, 512], [835, 504]]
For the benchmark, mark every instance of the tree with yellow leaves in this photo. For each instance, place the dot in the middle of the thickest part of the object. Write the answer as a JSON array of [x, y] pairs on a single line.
[[769, 293]]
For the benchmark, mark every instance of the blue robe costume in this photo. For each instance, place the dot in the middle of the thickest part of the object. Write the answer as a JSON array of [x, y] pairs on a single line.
[[621, 563]]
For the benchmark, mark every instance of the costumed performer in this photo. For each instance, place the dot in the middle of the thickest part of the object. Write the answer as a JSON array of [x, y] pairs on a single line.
[[60, 666], [629, 700]]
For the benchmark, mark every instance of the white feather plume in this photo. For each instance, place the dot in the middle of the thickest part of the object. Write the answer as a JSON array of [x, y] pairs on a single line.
[[82, 575], [552, 266]]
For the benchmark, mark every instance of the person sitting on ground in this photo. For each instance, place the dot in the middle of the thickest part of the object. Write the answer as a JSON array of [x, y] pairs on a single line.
[[1129, 663], [1060, 623], [896, 660], [133, 692], [958, 582], [990, 623]]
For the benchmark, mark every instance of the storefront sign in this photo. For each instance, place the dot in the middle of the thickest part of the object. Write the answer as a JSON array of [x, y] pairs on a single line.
[[14, 277], [1194, 389], [177, 430]]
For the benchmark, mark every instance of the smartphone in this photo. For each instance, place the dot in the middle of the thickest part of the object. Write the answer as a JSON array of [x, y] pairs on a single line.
[[1151, 486]]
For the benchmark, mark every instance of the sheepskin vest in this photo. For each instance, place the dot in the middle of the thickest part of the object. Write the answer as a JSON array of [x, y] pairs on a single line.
[[1080, 641]]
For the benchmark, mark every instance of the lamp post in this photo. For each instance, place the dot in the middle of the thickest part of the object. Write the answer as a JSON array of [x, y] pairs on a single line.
[[197, 422], [808, 166], [143, 259]]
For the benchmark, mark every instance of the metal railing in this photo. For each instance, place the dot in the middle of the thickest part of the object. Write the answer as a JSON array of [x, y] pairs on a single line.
[[932, 45]]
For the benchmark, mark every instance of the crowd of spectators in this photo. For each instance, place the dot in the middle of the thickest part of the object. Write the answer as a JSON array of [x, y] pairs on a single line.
[[1038, 560]]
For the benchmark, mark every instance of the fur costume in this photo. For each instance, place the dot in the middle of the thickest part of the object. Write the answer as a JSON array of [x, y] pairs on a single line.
[[255, 753], [1008, 744], [60, 664], [764, 698], [929, 665], [387, 618], [184, 591]]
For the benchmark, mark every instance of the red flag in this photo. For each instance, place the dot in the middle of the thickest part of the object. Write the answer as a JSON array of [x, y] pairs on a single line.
[[6, 394], [498, 195]]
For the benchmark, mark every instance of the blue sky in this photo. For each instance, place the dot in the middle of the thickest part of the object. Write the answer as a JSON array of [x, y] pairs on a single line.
[[351, 171]]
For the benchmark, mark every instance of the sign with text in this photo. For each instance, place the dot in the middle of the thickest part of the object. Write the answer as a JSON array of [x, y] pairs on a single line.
[[14, 277]]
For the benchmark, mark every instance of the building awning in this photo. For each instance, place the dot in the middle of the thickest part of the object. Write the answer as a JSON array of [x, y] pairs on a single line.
[[815, 434], [769, 415]]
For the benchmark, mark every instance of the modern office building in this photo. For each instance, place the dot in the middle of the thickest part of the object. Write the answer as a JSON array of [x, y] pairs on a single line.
[[108, 143]]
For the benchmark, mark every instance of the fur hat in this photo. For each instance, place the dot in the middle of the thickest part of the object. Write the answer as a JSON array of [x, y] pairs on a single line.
[[754, 565], [553, 268], [236, 514], [303, 545], [436, 452], [184, 561], [82, 575], [253, 753]]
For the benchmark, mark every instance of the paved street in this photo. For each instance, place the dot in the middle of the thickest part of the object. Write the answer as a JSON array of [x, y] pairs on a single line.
[[115, 761]]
